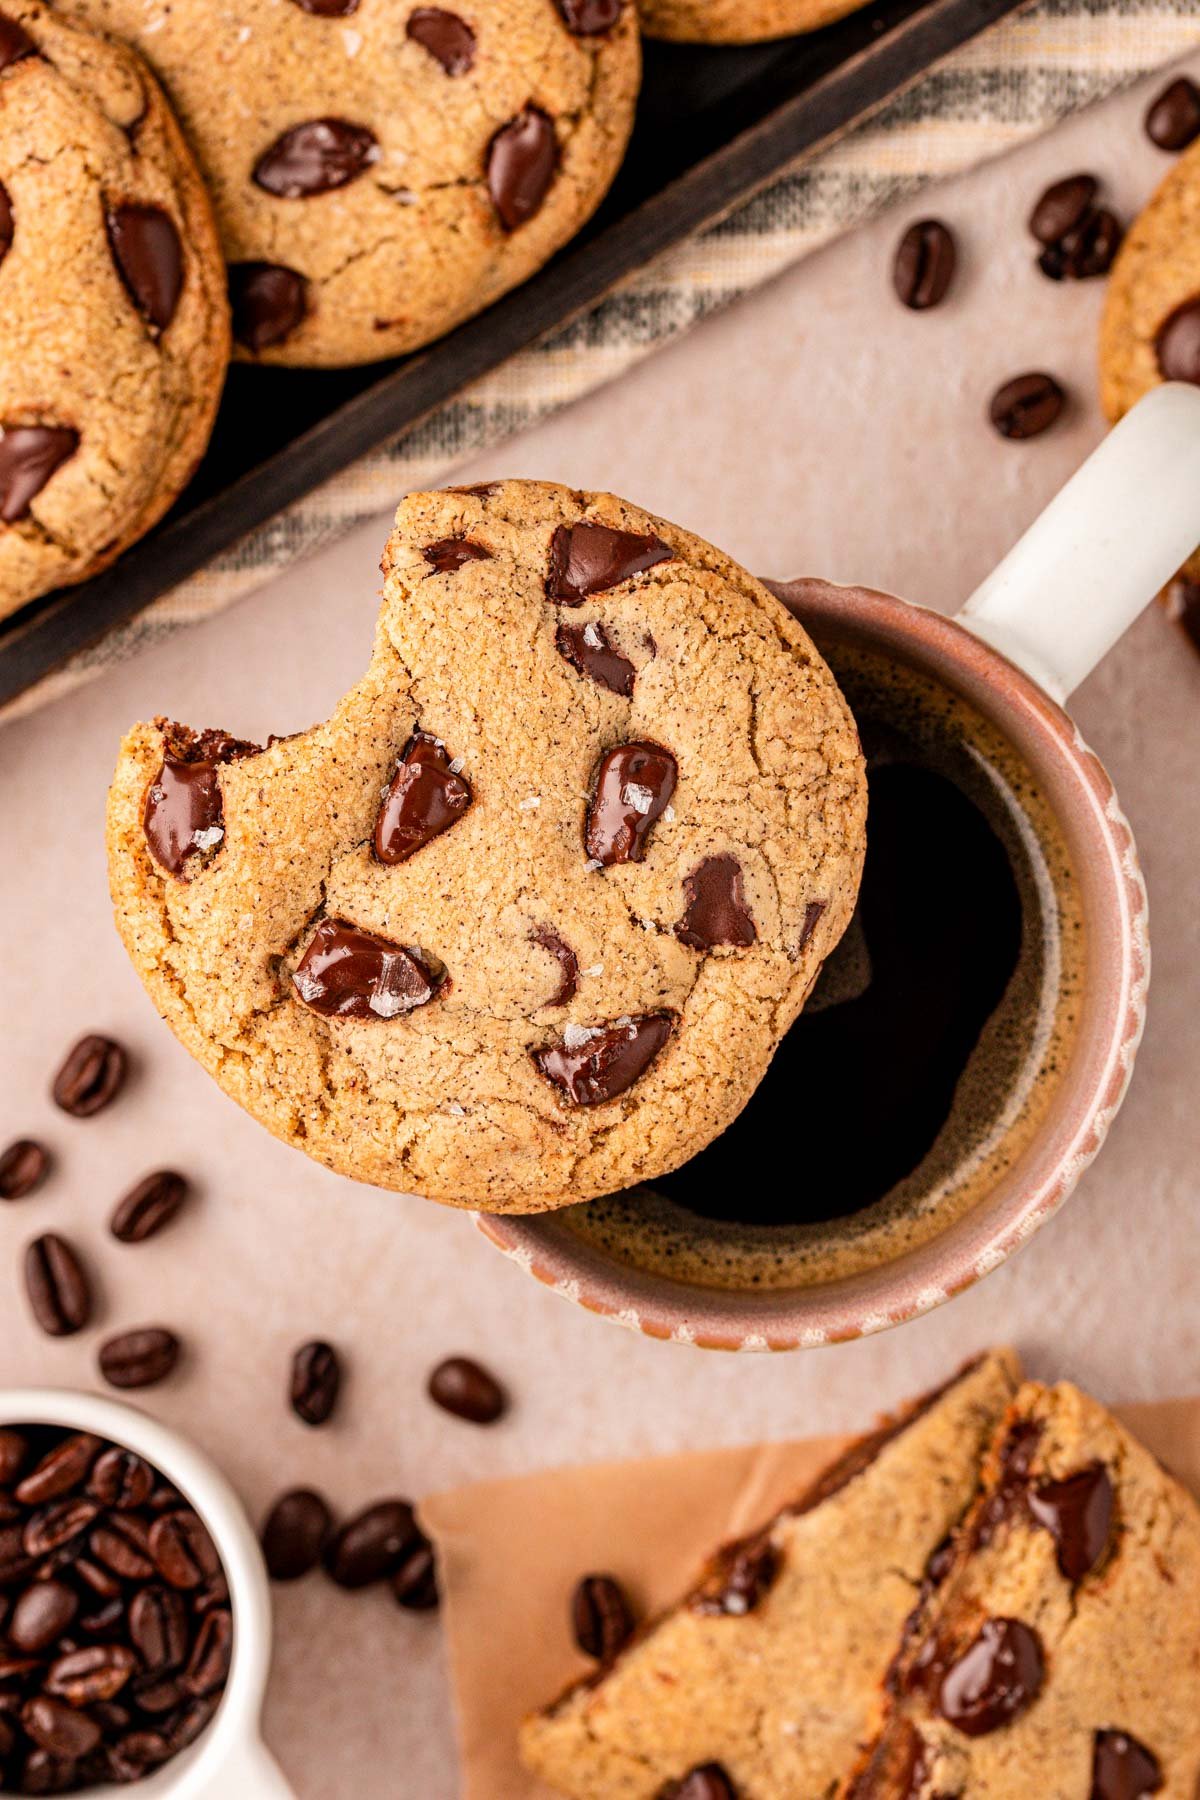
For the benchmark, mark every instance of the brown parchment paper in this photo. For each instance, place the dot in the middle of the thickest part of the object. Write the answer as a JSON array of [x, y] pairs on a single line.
[[511, 1552]]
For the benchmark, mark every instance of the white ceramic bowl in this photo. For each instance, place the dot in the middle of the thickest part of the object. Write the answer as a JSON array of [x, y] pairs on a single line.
[[228, 1761]]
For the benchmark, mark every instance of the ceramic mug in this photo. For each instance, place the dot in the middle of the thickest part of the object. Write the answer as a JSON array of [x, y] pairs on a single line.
[[1029, 635], [229, 1758]]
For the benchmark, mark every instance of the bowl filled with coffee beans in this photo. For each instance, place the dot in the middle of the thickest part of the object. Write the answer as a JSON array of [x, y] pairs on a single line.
[[135, 1623]]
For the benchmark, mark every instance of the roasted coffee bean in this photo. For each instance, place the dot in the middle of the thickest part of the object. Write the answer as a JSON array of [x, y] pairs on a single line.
[[15, 1669], [316, 1378], [29, 454], [62, 1470], [122, 1543], [315, 157], [467, 1390], [92, 1076], [149, 257], [111, 1716], [149, 1206], [14, 1452], [425, 797], [370, 1545], [208, 1665], [23, 1167], [59, 1728], [521, 162], [447, 38], [158, 1625], [600, 1617], [59, 1293], [631, 790], [1090, 250], [707, 1782], [1123, 1769], [136, 1359], [351, 974], [414, 1579], [57, 1524], [40, 1615], [595, 1063], [716, 911], [15, 1562], [1173, 119], [1177, 344], [157, 1694], [295, 1533], [995, 1679], [44, 1773], [924, 265], [98, 1672], [588, 559], [185, 1726], [101, 1621], [183, 1552], [211, 1593], [1063, 207], [120, 1479], [1026, 406], [134, 1754], [1078, 1514], [268, 303], [95, 1576]]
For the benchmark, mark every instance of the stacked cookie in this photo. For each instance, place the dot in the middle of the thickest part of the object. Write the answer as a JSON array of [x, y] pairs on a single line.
[[996, 1594]]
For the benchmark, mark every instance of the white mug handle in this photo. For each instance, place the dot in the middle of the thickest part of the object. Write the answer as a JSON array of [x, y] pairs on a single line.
[[248, 1771], [1102, 549]]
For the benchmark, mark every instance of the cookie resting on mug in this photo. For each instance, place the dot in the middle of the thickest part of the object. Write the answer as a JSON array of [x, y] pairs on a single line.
[[383, 170], [738, 21], [525, 920], [114, 327]]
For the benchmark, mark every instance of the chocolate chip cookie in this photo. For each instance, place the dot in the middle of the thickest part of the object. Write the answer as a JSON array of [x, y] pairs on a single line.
[[738, 21], [524, 921], [380, 170], [114, 327], [1059, 1654], [766, 1675]]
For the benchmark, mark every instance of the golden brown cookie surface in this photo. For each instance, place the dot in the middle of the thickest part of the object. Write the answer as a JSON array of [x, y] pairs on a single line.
[[381, 171], [114, 329], [596, 815], [738, 21]]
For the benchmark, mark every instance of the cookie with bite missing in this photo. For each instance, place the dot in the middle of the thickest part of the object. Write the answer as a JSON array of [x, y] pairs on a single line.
[[114, 327], [761, 1682], [524, 921], [1060, 1652], [738, 21], [381, 170]]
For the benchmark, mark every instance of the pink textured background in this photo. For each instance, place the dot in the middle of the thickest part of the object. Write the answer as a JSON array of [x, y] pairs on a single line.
[[816, 428]]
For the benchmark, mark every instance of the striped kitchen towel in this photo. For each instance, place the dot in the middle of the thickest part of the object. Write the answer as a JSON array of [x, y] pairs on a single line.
[[1016, 79]]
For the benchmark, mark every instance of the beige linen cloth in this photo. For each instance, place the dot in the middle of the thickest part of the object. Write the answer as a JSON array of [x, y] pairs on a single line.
[[510, 1553], [1015, 80]]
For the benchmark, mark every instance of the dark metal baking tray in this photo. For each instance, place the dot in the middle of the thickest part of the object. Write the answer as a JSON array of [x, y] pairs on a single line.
[[712, 126]]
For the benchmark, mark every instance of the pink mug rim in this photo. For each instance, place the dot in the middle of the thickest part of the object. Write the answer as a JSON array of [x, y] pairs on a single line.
[[1093, 1088]]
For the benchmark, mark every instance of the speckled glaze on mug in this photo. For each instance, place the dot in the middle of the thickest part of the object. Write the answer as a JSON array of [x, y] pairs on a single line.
[[1034, 629]]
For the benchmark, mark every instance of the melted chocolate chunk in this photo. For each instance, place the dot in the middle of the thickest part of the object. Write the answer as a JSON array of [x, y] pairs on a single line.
[[149, 257], [1077, 1512], [707, 1781], [1008, 1491], [716, 907], [268, 302], [448, 39], [183, 812], [314, 158], [424, 798], [589, 649], [996, 1678], [6, 223], [1123, 1769], [567, 961], [29, 456], [587, 559], [15, 42], [895, 1769], [590, 18], [633, 788], [328, 9], [449, 554], [1178, 343], [742, 1575], [595, 1063], [350, 974], [521, 160]]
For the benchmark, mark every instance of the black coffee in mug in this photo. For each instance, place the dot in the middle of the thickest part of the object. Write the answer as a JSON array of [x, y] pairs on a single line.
[[934, 1036]]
